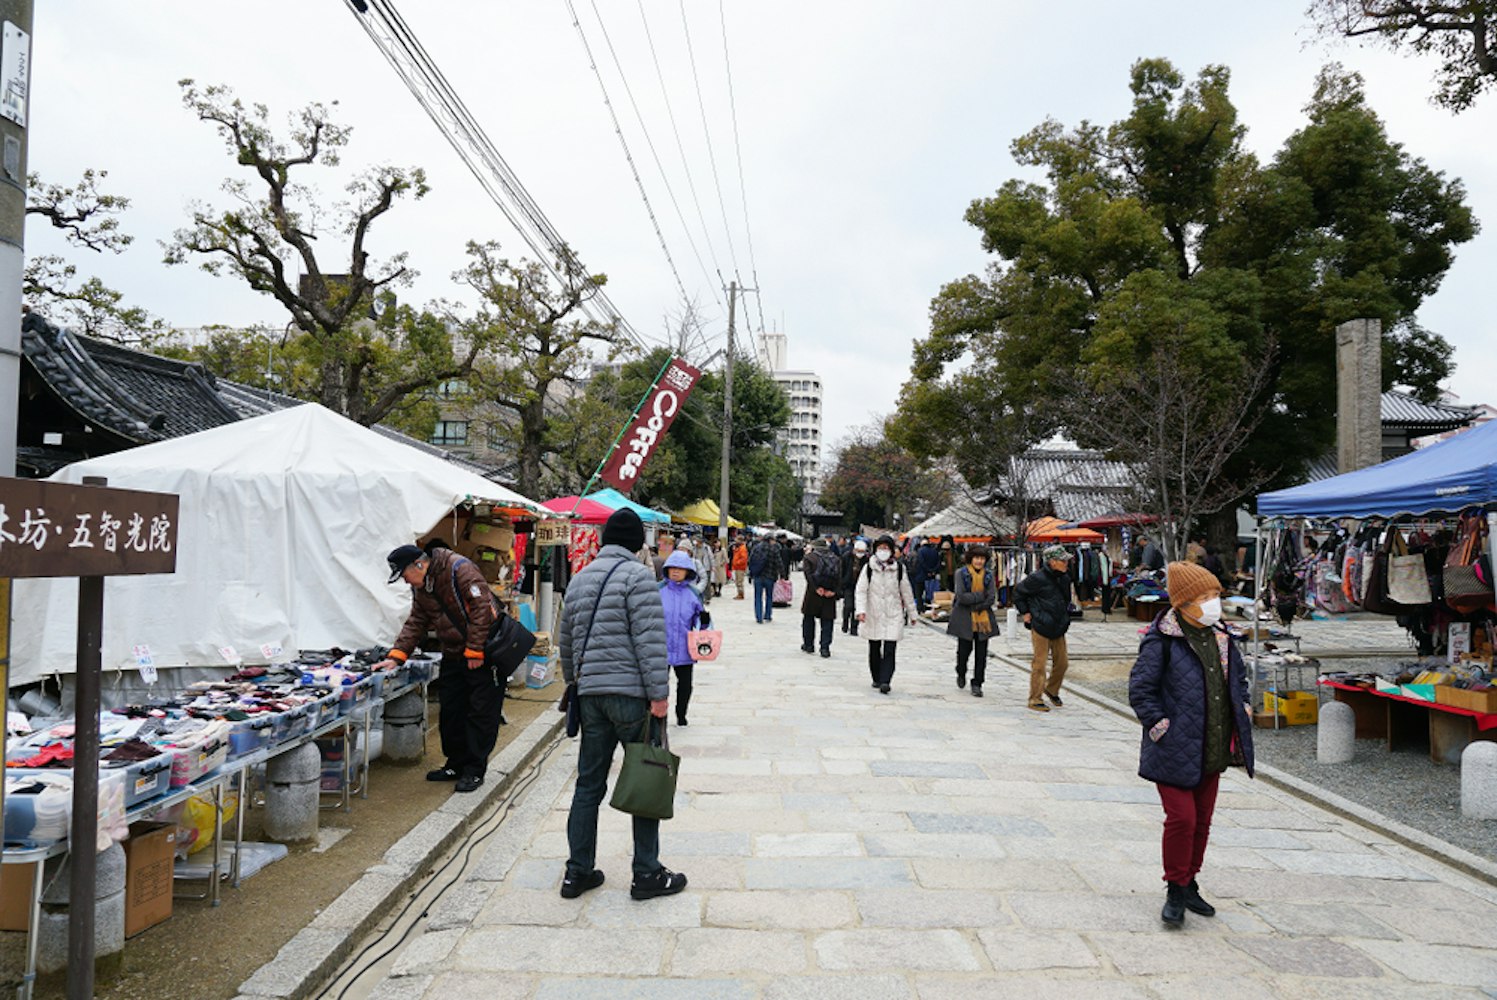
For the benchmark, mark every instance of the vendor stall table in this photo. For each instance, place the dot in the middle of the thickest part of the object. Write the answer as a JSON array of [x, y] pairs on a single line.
[[236, 770], [1400, 719]]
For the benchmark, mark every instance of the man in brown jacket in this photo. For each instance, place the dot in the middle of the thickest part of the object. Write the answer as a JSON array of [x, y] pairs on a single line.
[[450, 597]]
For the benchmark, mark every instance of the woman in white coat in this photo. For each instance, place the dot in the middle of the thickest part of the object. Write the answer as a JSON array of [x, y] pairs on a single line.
[[885, 603]]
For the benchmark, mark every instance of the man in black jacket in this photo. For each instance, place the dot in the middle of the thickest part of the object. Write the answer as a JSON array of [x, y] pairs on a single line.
[[1043, 598], [853, 561]]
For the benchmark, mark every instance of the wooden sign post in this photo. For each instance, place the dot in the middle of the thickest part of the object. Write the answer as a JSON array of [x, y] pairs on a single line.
[[58, 529]]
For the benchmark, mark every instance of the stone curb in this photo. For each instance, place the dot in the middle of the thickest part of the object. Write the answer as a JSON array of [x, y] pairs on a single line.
[[317, 951], [1425, 843]]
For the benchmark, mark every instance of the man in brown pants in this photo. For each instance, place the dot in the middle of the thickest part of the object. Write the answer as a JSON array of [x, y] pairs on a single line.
[[1044, 599]]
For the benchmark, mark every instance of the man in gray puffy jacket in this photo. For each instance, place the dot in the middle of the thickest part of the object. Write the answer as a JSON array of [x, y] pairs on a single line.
[[612, 639]]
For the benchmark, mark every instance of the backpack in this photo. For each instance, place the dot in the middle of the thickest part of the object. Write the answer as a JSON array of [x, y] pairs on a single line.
[[870, 570], [758, 559], [826, 572]]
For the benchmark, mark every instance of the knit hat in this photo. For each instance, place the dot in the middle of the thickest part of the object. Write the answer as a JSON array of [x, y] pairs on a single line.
[[624, 528], [1057, 552], [1188, 583]]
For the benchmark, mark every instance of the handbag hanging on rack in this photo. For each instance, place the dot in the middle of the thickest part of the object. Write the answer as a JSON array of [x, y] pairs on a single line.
[[1379, 597], [1467, 574]]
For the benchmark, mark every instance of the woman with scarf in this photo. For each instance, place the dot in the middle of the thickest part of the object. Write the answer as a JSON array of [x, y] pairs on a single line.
[[972, 618]]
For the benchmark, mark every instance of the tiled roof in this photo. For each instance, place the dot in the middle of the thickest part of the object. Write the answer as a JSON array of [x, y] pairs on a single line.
[[182, 391], [966, 519], [63, 361], [1401, 409]]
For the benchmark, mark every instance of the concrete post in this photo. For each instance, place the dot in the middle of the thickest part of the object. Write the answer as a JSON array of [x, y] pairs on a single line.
[[1479, 780], [1359, 394], [403, 718], [109, 911], [292, 780], [1336, 739]]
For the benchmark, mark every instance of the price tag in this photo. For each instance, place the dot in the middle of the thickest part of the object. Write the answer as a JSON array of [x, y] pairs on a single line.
[[145, 663], [272, 651], [230, 655]]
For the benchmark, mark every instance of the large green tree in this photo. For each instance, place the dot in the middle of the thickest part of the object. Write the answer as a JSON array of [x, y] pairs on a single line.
[[1162, 224], [877, 481], [1462, 34]]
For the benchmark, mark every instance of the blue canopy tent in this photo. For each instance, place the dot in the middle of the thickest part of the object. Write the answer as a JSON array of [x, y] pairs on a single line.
[[616, 500], [1456, 474], [1452, 475]]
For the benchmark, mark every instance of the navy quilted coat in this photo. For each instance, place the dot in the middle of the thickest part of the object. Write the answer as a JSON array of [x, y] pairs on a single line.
[[1167, 683]]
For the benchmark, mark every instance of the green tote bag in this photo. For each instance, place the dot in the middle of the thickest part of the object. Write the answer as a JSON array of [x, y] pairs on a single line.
[[647, 782]]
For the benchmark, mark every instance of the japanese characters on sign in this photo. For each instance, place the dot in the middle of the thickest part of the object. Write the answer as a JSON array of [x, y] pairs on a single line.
[[61, 529], [651, 421], [553, 531]]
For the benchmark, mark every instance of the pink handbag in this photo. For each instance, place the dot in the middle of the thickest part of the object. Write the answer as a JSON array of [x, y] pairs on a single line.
[[704, 644]]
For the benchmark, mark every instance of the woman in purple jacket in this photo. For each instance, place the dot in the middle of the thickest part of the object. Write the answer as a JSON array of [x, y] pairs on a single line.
[[683, 612]]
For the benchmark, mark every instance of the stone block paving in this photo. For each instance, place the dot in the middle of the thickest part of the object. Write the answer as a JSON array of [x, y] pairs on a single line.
[[1355, 635], [927, 845]]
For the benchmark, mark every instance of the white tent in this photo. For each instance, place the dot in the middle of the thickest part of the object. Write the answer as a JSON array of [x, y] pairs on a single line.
[[285, 522]]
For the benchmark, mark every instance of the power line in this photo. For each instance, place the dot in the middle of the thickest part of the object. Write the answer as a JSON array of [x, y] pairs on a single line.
[[738, 150], [401, 49], [707, 131], [681, 149], [618, 130]]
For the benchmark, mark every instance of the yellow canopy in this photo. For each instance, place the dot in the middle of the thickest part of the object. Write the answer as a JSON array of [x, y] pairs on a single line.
[[705, 512]]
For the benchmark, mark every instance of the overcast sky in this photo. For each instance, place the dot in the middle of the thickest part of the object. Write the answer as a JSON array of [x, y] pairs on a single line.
[[866, 129]]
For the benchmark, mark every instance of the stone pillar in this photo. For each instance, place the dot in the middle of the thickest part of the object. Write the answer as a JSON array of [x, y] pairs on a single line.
[[1479, 780], [1335, 741], [1359, 394], [109, 912], [292, 782], [403, 718]]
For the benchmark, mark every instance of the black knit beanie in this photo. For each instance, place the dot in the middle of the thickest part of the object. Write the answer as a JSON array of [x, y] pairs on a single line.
[[624, 528]]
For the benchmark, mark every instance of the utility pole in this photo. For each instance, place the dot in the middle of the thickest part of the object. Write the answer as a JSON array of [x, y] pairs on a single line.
[[731, 357], [15, 83]]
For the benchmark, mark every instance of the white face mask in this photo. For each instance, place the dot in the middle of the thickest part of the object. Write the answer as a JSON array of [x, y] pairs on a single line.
[[1211, 611], [883, 555]]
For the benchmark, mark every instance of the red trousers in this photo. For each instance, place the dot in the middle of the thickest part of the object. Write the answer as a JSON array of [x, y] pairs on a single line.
[[1187, 825]]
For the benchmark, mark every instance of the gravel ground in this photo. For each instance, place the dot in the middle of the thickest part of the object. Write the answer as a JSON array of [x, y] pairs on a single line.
[[1404, 784]]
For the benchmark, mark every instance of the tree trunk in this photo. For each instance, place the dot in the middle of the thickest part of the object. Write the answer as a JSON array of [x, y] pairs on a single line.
[[532, 444]]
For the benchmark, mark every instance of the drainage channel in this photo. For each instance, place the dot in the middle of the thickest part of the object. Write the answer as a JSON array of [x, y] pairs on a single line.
[[377, 954]]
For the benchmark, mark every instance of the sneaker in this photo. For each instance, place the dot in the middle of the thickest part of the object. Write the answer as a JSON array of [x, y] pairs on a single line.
[[1038, 706], [442, 774], [469, 783], [662, 883], [575, 885], [1055, 700]]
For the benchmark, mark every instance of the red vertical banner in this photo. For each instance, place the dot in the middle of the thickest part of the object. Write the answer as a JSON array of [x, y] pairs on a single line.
[[657, 411]]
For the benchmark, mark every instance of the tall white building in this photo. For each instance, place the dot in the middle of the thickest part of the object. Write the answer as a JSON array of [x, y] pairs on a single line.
[[800, 442]]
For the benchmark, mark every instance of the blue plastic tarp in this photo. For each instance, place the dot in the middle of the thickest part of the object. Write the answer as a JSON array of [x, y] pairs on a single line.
[[1458, 472], [613, 498]]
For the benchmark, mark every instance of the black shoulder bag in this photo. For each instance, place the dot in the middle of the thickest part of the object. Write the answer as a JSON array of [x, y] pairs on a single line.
[[508, 642], [569, 698]]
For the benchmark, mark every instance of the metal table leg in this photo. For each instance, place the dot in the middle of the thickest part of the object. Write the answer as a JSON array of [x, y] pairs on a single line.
[[218, 841], [33, 942], [239, 825]]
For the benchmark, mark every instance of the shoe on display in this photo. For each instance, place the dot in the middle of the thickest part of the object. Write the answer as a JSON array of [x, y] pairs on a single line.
[[662, 883], [442, 774], [573, 886]]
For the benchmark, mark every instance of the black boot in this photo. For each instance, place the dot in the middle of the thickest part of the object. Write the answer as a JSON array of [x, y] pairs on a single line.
[[1173, 913], [961, 679], [976, 690], [1195, 904]]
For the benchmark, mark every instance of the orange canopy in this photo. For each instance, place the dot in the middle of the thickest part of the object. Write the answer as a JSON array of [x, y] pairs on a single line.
[[1053, 529]]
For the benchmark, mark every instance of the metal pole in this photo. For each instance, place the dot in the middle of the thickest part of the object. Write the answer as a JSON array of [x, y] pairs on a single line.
[[82, 889], [14, 119], [732, 357]]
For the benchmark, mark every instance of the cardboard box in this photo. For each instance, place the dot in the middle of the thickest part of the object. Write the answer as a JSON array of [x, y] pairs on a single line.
[[943, 599], [149, 860], [16, 885], [1266, 720], [1299, 708], [1475, 701]]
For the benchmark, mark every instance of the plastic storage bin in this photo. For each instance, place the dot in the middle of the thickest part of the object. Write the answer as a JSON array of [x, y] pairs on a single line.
[[144, 779]]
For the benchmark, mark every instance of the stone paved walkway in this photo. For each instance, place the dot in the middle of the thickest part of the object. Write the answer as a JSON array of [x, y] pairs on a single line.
[[1357, 635], [925, 844]]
